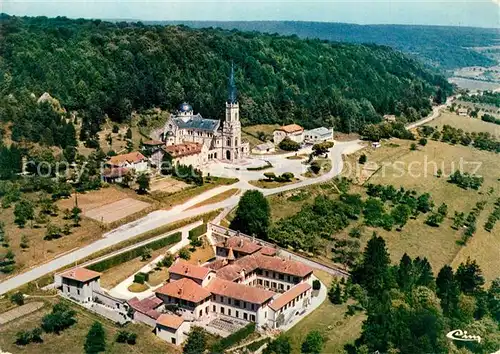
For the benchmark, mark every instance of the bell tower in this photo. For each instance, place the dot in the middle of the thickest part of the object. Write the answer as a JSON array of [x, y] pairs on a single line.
[[232, 126]]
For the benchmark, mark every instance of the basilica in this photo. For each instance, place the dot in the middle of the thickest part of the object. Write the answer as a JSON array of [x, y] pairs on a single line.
[[216, 140]]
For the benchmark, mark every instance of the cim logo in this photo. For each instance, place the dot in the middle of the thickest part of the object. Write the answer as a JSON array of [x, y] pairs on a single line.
[[460, 335]]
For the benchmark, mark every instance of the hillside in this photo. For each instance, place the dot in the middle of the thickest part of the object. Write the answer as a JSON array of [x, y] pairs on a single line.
[[443, 46], [99, 68]]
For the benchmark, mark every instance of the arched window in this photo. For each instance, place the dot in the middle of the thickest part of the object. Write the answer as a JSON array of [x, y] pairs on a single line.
[[228, 141]]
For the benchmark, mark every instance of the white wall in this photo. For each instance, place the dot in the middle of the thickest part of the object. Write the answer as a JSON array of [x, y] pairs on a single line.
[[80, 291]]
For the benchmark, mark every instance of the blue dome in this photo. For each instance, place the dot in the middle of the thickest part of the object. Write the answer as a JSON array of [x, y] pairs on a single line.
[[185, 107]]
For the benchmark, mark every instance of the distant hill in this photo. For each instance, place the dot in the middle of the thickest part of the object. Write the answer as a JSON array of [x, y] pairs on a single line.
[[443, 46], [101, 68]]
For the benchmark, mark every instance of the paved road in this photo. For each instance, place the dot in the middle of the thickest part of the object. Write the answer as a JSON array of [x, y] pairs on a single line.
[[162, 217], [435, 113]]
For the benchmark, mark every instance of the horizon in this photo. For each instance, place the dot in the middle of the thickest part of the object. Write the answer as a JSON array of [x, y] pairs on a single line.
[[468, 13]]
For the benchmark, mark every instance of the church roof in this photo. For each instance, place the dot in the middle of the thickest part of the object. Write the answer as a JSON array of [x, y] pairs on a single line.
[[197, 122]]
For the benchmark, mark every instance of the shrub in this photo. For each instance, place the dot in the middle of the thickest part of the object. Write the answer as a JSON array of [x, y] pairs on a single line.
[[141, 277], [315, 167], [423, 141], [362, 159], [17, 298], [316, 284], [198, 231], [232, 339], [126, 337], [287, 176], [134, 253], [289, 145], [184, 253]]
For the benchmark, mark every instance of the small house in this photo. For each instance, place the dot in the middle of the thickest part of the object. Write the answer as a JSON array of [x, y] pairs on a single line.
[[80, 284], [132, 161], [292, 131], [462, 112], [171, 328], [390, 118]]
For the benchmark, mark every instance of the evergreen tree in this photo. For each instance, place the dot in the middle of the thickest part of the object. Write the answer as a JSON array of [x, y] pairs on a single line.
[[196, 342], [335, 294], [95, 341], [424, 274], [405, 273], [373, 273], [448, 291], [252, 215], [469, 277]]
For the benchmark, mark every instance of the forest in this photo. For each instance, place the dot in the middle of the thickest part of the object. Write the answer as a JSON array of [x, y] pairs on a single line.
[[443, 46], [98, 68]]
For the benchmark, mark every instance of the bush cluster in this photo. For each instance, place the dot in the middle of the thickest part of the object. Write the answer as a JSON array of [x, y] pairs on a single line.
[[134, 253]]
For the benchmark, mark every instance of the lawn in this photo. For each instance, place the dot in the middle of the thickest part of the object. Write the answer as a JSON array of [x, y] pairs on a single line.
[[267, 184], [72, 339], [465, 123], [217, 198], [415, 170], [329, 320], [325, 164], [169, 200], [267, 129]]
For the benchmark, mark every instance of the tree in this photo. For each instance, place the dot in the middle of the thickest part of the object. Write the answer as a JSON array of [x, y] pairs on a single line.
[[17, 298], [315, 167], [448, 291], [128, 134], [373, 273], [270, 176], [143, 183], [322, 148], [252, 215], [75, 215], [61, 318], [126, 337], [184, 253], [362, 159], [401, 214], [469, 277], [23, 338], [494, 299], [115, 128], [196, 342], [167, 164], [280, 345], [95, 342], [335, 293], [422, 141], [346, 252], [313, 343], [413, 147], [24, 211], [289, 145]]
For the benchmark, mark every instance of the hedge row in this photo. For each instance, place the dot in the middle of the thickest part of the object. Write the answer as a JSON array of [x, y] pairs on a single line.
[[141, 277], [232, 339], [134, 253], [197, 231]]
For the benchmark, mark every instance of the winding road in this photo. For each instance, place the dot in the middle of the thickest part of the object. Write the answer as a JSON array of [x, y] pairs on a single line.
[[162, 217]]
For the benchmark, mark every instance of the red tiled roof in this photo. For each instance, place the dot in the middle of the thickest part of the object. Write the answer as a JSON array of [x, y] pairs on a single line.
[[291, 128], [240, 244], [289, 295], [284, 266], [170, 321], [184, 149], [131, 157], [184, 289], [239, 291], [217, 264], [260, 261], [268, 251], [147, 305], [189, 270], [81, 274]]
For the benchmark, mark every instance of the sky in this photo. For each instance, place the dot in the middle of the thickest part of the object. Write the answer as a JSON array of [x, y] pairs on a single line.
[[478, 13]]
